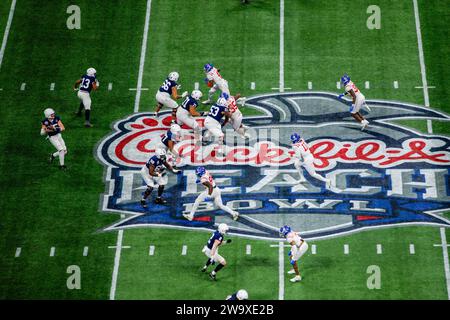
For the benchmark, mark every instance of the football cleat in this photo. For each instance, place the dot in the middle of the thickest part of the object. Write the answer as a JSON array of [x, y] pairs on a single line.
[[212, 276], [160, 201], [296, 279], [204, 269], [63, 168], [292, 271], [364, 124], [51, 158], [143, 204], [235, 215], [187, 216], [87, 124]]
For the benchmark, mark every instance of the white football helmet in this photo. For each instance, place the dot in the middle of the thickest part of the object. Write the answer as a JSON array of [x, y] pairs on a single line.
[[175, 128], [91, 72], [161, 153], [222, 102], [48, 112], [223, 228], [242, 295], [173, 76], [196, 94]]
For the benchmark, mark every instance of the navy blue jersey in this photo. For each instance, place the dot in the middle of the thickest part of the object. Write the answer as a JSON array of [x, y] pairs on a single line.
[[167, 86], [215, 236], [188, 102], [233, 297], [86, 83], [47, 122], [169, 135], [157, 162], [216, 112]]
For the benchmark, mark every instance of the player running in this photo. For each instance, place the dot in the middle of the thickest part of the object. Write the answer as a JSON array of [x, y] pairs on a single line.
[[236, 114], [167, 94], [358, 100], [213, 122], [52, 128], [212, 191], [239, 295], [298, 249], [153, 173], [305, 159], [211, 250], [215, 81], [187, 111], [86, 83]]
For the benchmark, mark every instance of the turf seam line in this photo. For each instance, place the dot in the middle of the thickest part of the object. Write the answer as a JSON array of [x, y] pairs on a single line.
[[7, 28]]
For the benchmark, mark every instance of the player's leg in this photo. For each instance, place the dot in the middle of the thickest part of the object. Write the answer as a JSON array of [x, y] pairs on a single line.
[[217, 196], [201, 197], [161, 181], [150, 185], [296, 255], [221, 263], [210, 94], [298, 166], [210, 260], [87, 109], [81, 106], [308, 164], [62, 151]]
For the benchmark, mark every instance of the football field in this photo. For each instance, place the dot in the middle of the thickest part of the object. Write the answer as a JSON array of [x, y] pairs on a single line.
[[381, 233]]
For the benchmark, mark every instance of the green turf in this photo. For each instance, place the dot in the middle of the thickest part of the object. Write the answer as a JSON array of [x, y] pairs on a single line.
[[42, 207]]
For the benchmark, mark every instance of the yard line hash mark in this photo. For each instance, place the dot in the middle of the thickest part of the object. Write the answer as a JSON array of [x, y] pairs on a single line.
[[412, 250], [184, 250], [309, 85], [196, 86], [110, 86], [367, 85], [85, 251], [346, 249], [22, 86], [151, 250], [338, 85], [379, 249], [18, 251], [248, 249], [52, 86], [395, 84], [252, 86], [313, 249], [52, 251]]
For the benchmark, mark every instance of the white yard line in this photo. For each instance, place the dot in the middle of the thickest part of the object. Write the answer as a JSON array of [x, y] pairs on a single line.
[[6, 34], [142, 61], [18, 251], [422, 63], [281, 270], [112, 293], [184, 250], [281, 88], [445, 256], [248, 249]]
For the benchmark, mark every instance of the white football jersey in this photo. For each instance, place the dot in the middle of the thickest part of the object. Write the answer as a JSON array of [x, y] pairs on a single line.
[[207, 177], [217, 78], [351, 86], [294, 236], [232, 106], [301, 149]]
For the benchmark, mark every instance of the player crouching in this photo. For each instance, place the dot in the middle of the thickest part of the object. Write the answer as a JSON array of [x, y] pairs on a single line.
[[298, 249], [52, 128], [211, 250], [239, 295], [154, 173], [358, 100]]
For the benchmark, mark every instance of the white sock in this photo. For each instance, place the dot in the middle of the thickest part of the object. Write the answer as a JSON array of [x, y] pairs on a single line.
[[61, 157], [56, 154]]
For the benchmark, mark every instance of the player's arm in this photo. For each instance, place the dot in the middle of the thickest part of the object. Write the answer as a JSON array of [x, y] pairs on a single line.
[[151, 171], [214, 248], [168, 166], [95, 85], [172, 148], [193, 111], [61, 126], [209, 186], [175, 93], [227, 118], [75, 86], [45, 130]]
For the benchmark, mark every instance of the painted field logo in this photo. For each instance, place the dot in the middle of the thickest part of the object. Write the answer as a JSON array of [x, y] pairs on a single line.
[[385, 175]]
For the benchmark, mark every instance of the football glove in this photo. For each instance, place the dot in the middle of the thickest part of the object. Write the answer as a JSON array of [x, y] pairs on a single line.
[[289, 253], [176, 171], [184, 94], [341, 95], [178, 86]]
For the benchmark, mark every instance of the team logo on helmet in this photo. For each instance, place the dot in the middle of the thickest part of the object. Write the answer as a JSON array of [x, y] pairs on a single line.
[[384, 176]]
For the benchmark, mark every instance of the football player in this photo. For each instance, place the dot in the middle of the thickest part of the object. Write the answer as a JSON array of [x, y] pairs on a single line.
[[305, 159], [187, 111], [298, 248], [167, 94], [211, 250], [236, 115], [239, 295], [212, 191], [214, 81], [85, 85], [168, 141], [358, 100], [154, 174], [213, 121], [52, 128]]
